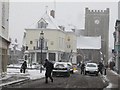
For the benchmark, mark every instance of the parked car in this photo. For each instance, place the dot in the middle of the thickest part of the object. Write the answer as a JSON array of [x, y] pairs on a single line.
[[35, 66], [91, 68], [61, 69], [70, 66]]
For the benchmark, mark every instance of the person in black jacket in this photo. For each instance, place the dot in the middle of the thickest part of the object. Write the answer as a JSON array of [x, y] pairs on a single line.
[[49, 67], [24, 66], [100, 68], [82, 68]]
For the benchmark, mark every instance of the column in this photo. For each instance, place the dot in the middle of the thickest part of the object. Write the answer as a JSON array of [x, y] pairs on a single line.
[[56, 58], [35, 57], [47, 55]]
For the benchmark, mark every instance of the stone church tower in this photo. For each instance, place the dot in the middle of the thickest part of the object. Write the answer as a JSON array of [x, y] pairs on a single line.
[[97, 24]]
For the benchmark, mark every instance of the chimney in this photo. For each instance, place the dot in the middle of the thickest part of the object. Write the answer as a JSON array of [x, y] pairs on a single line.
[[52, 13]]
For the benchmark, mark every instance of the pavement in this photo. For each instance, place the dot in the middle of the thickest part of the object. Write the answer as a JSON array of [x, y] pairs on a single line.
[[113, 80], [14, 76], [9, 80]]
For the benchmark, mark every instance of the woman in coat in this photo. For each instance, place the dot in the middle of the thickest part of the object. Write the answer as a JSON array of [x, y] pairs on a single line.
[[24, 66]]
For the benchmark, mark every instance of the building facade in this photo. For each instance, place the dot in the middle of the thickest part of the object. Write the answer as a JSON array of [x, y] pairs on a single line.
[[4, 42], [117, 45], [56, 45], [89, 49], [97, 24], [119, 10]]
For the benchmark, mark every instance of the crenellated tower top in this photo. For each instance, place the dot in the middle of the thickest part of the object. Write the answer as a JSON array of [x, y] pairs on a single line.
[[88, 11]]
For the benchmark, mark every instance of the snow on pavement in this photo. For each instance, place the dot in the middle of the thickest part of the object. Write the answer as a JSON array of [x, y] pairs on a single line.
[[115, 73], [35, 74], [32, 74]]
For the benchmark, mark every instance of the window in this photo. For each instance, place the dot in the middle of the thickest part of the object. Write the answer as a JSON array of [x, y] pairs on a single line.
[[26, 47], [52, 42], [68, 39], [31, 42], [42, 24], [68, 46], [25, 57]]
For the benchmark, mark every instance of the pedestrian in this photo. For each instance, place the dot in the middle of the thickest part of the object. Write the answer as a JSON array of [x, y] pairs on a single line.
[[49, 67], [82, 68], [100, 68], [23, 67], [112, 64]]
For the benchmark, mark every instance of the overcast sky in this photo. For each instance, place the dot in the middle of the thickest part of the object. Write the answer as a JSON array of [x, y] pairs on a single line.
[[26, 13]]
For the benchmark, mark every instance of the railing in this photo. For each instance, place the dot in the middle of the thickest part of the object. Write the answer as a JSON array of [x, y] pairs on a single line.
[[39, 48]]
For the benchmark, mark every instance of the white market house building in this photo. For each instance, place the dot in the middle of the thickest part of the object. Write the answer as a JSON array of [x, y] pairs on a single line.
[[57, 43]]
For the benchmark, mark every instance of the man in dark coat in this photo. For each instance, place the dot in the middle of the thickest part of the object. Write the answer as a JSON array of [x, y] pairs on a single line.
[[49, 67], [82, 68], [100, 68], [24, 66]]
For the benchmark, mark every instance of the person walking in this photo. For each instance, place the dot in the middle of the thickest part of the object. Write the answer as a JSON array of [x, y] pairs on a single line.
[[49, 67], [100, 68], [82, 68], [24, 67]]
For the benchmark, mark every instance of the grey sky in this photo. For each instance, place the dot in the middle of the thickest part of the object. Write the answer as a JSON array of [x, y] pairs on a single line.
[[24, 14]]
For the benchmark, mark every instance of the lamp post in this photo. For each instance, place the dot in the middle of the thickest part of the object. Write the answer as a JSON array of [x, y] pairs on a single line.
[[41, 47]]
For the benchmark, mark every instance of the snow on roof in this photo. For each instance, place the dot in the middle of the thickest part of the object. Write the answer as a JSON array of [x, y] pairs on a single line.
[[14, 44], [84, 42], [52, 23], [68, 28]]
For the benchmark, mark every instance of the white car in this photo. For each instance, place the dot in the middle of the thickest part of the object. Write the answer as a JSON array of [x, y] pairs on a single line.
[[91, 68], [61, 69], [70, 66]]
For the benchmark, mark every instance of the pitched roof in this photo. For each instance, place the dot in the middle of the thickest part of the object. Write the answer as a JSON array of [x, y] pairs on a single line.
[[84, 42], [52, 23]]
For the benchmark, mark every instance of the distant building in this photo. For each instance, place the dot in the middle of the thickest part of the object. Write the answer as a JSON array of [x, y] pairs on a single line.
[[59, 42], [4, 42], [80, 32], [89, 48], [15, 53], [97, 24]]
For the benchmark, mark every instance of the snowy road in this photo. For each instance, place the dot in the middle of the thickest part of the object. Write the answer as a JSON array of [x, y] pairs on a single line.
[[76, 80]]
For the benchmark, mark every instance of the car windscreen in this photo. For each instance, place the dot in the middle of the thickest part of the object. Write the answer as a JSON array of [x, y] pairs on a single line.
[[59, 66], [91, 65]]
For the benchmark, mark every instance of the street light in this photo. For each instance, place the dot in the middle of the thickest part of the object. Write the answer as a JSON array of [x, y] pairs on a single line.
[[41, 47]]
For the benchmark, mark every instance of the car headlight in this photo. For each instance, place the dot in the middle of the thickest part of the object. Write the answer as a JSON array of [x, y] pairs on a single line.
[[87, 69], [96, 70]]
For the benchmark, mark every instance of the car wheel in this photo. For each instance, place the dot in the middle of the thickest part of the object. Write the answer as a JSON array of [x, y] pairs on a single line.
[[53, 74], [96, 74], [68, 74], [72, 72], [85, 73]]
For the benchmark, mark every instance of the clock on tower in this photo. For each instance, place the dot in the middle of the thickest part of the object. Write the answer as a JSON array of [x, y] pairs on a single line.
[[97, 21]]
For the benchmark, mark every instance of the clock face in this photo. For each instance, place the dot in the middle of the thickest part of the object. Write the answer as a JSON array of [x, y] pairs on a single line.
[[97, 21]]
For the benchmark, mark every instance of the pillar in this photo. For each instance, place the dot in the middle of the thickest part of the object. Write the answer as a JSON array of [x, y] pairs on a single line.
[[56, 58], [35, 57], [47, 55]]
